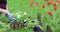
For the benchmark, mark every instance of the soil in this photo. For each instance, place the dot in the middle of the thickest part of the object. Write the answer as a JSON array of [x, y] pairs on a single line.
[[40, 22], [48, 29], [16, 25], [39, 19], [40, 30]]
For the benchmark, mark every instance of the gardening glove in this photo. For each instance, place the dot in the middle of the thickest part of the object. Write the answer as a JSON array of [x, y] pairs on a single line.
[[8, 15]]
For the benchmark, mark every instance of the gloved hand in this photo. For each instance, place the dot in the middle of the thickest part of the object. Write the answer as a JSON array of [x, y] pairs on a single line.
[[10, 17]]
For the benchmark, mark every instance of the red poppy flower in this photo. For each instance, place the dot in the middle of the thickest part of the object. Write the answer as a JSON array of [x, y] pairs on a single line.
[[50, 2], [36, 3], [55, 6], [31, 2], [57, 1], [49, 13], [43, 5]]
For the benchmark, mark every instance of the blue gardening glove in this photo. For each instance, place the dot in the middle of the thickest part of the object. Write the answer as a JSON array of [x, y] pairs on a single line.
[[10, 17]]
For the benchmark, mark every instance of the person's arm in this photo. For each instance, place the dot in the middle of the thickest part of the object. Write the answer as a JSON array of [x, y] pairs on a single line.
[[6, 7]]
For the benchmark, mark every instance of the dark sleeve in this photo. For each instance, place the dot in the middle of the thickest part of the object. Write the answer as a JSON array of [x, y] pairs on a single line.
[[3, 2]]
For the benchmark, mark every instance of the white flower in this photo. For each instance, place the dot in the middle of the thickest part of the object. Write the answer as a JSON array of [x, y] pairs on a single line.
[[25, 20], [18, 16], [24, 13], [17, 13]]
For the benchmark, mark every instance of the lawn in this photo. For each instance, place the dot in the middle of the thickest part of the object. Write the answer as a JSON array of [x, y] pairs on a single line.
[[21, 10]]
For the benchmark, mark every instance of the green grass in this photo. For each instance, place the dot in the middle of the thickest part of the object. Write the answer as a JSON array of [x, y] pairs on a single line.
[[22, 6]]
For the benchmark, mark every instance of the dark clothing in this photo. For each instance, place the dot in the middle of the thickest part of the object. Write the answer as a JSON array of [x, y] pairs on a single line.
[[3, 4]]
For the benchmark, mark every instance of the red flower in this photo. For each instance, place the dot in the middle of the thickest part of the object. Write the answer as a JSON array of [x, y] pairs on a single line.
[[50, 2], [36, 3], [43, 5], [57, 1], [55, 6], [49, 13], [31, 2]]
